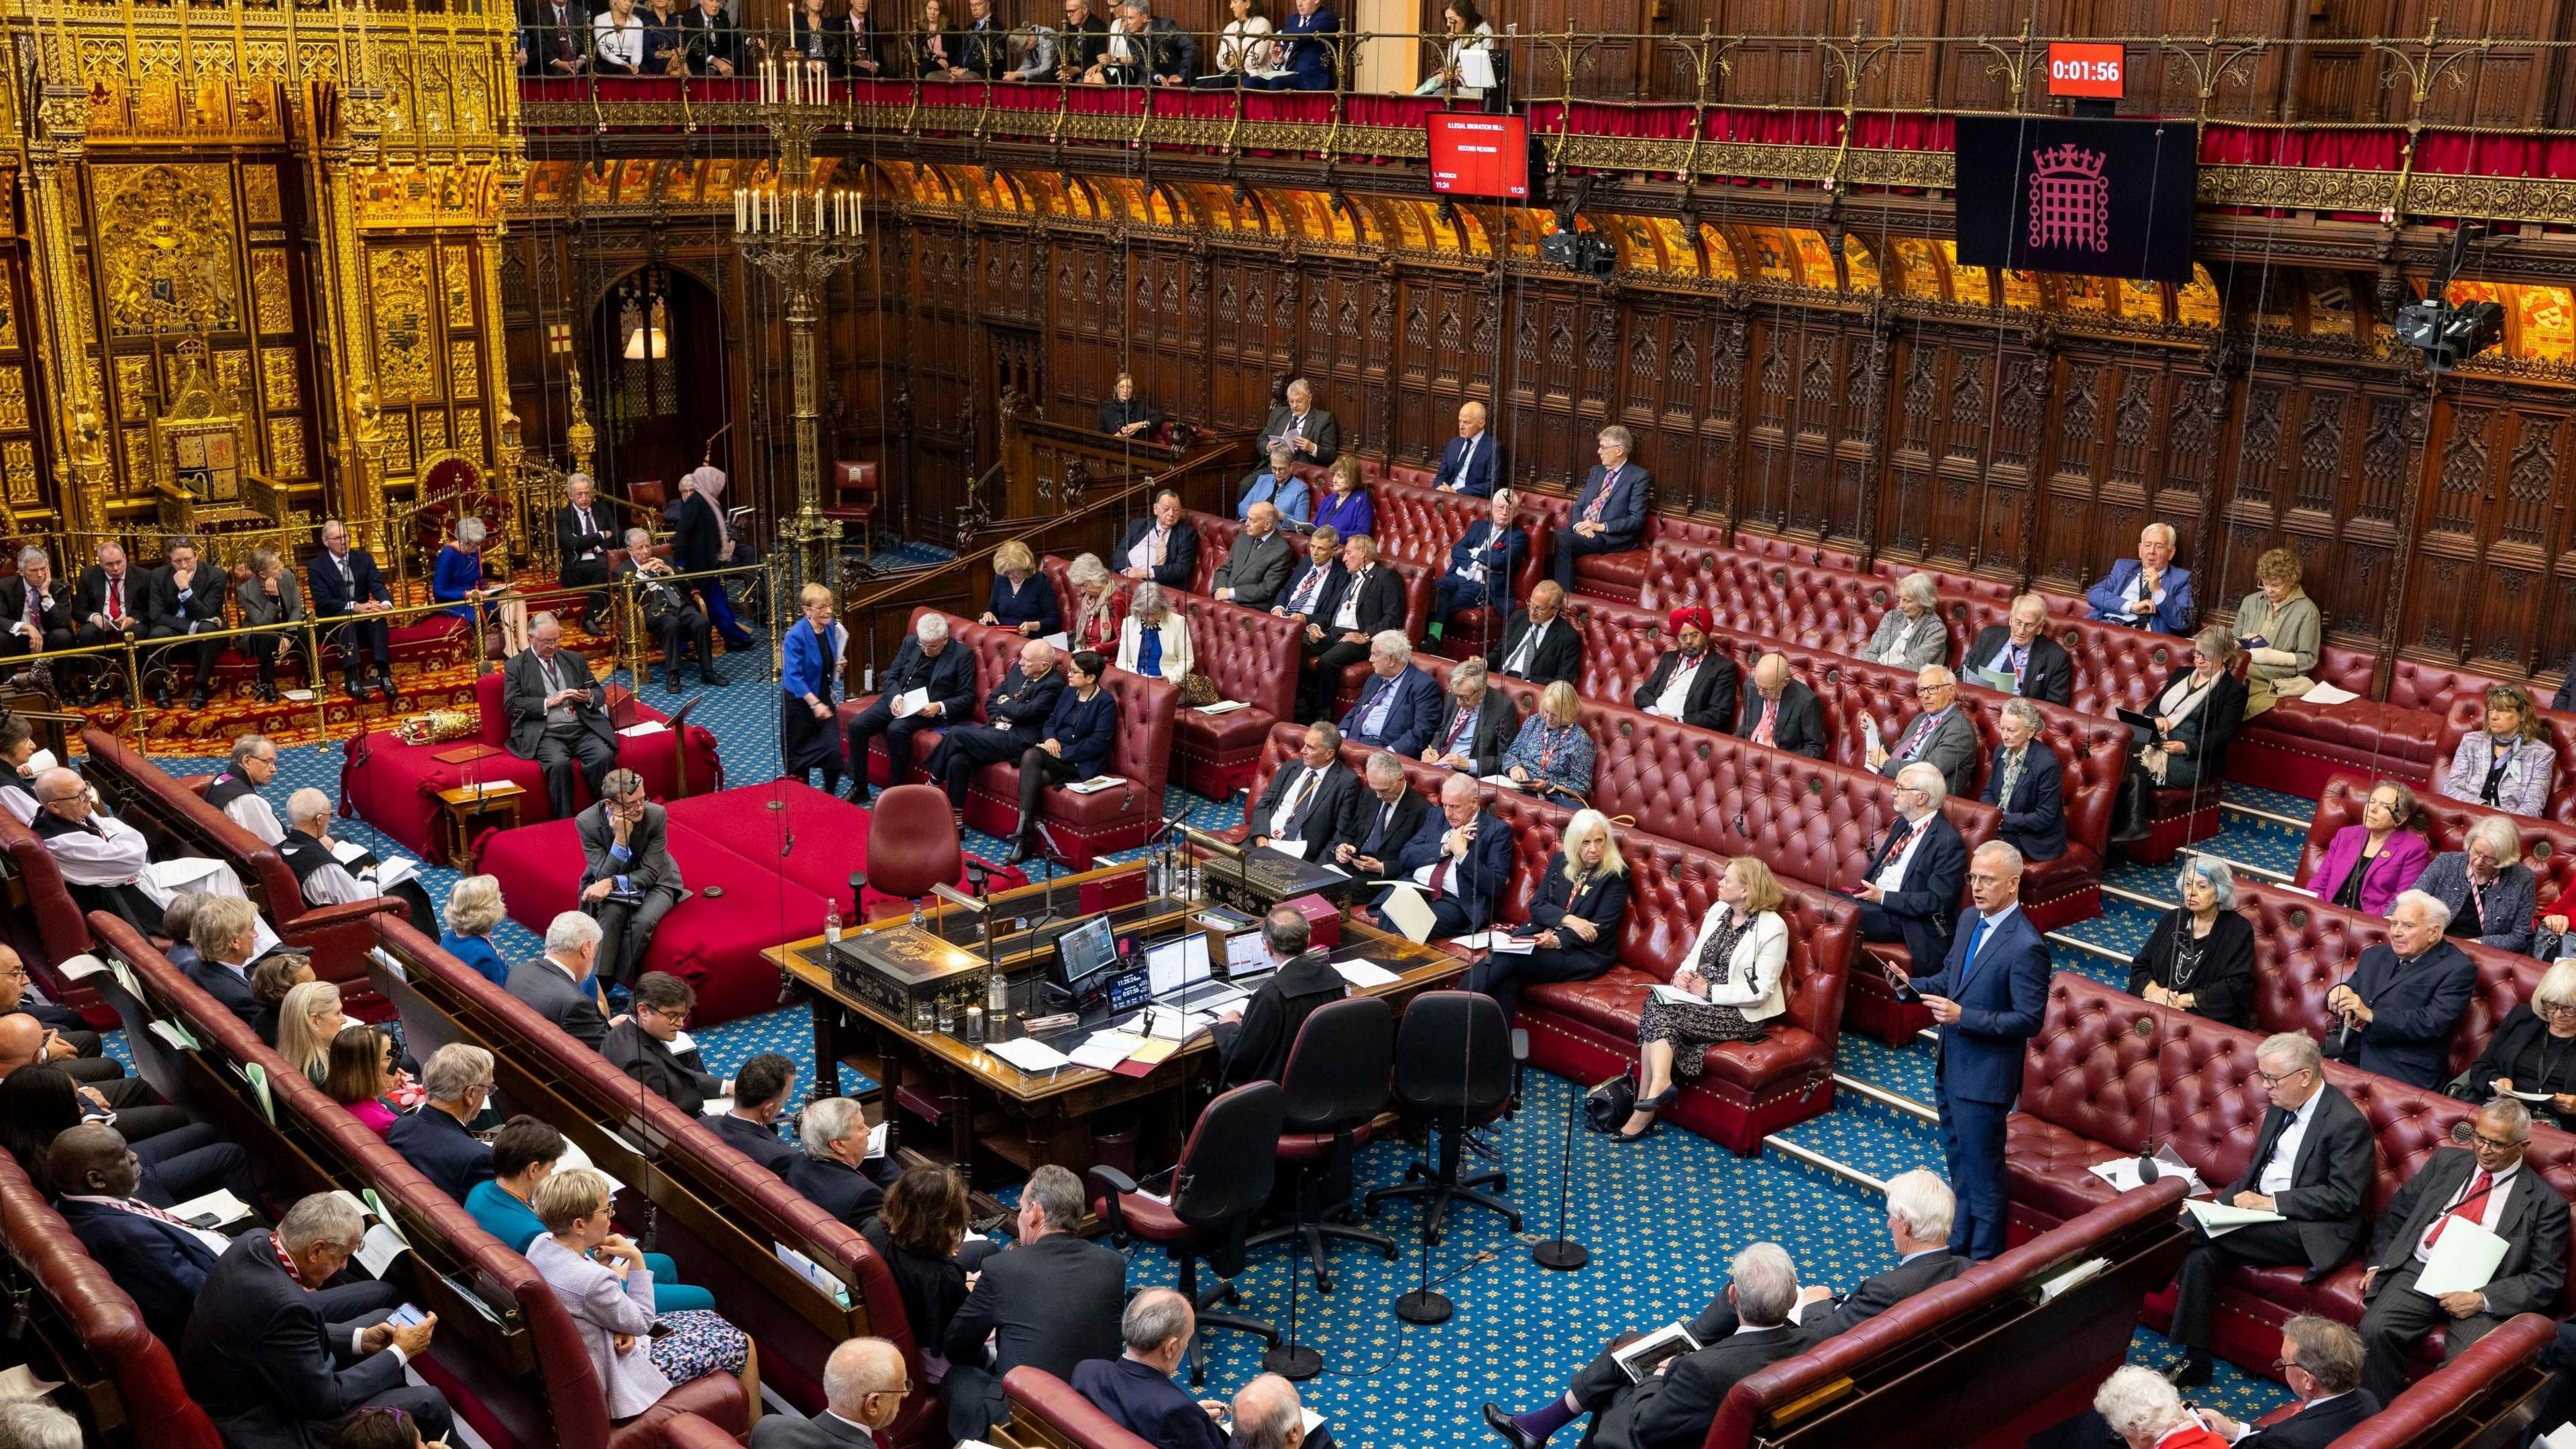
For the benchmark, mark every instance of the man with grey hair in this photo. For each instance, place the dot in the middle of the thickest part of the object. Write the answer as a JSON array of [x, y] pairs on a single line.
[[333, 872], [558, 985], [2396, 1012], [107, 606], [2321, 1362], [344, 581], [1672, 1407], [275, 1360], [36, 1424], [1779, 710], [1909, 891], [628, 878], [670, 610], [2487, 1183], [2314, 1159], [1053, 1300], [557, 715], [832, 1170], [35, 607], [1268, 1415], [1136, 1390], [1380, 818], [2146, 592], [235, 789], [2019, 658], [184, 600], [936, 685], [1476, 724], [438, 1135], [1940, 735], [108, 865], [1303, 804], [1016, 712], [1257, 562], [1919, 1212], [584, 533], [1399, 705], [864, 1386], [2027, 784], [1253, 1041], [1484, 565], [1368, 607], [1297, 422], [1609, 510], [1459, 862]]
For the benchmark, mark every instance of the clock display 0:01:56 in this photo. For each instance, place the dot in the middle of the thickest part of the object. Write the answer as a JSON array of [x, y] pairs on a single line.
[[2085, 70]]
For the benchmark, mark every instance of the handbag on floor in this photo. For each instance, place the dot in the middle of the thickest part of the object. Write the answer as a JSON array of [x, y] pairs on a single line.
[[1608, 1106]]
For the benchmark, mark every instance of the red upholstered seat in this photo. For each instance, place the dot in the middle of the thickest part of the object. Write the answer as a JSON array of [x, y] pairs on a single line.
[[1249, 655], [2548, 846], [814, 839], [2451, 1399], [2467, 715], [914, 843], [60, 929], [1619, 576], [1040, 1397], [1216, 539], [394, 786]]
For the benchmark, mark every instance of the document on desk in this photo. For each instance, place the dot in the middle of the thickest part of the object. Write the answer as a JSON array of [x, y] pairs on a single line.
[[1405, 906], [908, 703], [2464, 1260], [1029, 1054], [2218, 1218], [1296, 848], [1106, 1049], [2122, 1173], [1364, 974], [573, 1156]]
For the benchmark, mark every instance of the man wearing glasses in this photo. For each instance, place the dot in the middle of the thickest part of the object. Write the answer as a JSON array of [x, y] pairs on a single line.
[[629, 880], [2487, 1185], [2312, 1164]]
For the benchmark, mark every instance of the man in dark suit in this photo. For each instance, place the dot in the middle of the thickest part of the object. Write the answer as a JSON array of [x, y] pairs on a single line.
[[628, 878], [1674, 1408], [983, 55], [36, 609], [2313, 1161], [70, 1046], [1123, 415], [1610, 512], [1483, 562], [554, 38], [1305, 801], [1252, 1043], [1475, 726], [832, 1170], [1467, 463], [1303, 426], [1379, 818], [760, 1092], [864, 1387], [343, 582], [1314, 588], [558, 984], [2488, 1184], [276, 1362], [2321, 1362], [556, 714], [1988, 997], [1136, 1389], [159, 1261], [1159, 546], [1692, 682], [643, 1045], [1941, 735], [1053, 1300], [1910, 889], [1399, 705], [1370, 604], [2038, 666], [1079, 46], [928, 662], [437, 1136], [107, 607], [183, 599], [2404, 998], [672, 612], [584, 534], [226, 935], [2027, 784], [1778, 711], [1257, 565], [1015, 719], [1460, 860], [1539, 645]]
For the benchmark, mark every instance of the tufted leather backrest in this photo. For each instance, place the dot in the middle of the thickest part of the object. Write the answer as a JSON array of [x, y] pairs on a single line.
[[2433, 687], [1970, 589], [1417, 524], [58, 917], [2548, 846], [2345, 668], [1798, 603], [2092, 1069], [1248, 654], [2468, 715], [133, 786], [103, 1320], [1620, 645], [1216, 540], [1144, 750]]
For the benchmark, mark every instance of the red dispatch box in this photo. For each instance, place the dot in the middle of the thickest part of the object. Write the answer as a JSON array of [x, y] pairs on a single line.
[[2097, 70], [1323, 921]]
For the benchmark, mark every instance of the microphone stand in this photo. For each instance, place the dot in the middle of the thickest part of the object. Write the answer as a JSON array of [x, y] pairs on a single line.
[[1560, 1253]]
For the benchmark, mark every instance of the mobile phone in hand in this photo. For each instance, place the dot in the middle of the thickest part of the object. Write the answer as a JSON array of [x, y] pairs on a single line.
[[406, 1316], [660, 1329]]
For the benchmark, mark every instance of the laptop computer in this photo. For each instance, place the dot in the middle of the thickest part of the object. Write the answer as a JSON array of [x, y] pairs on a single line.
[[1181, 974]]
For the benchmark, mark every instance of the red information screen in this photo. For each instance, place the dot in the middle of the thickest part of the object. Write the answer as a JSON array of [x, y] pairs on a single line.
[[2092, 69], [1480, 155]]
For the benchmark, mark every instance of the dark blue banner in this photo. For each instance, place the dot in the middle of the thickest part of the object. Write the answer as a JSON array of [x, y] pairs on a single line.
[[2097, 197]]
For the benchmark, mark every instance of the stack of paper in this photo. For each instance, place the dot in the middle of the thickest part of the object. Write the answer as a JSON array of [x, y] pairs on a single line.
[[1029, 1054], [2464, 1260], [648, 727], [1364, 974], [220, 1205], [2217, 1219], [1106, 1049]]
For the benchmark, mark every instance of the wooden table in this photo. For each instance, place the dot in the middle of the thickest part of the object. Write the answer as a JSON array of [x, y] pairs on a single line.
[[1026, 1119], [469, 810]]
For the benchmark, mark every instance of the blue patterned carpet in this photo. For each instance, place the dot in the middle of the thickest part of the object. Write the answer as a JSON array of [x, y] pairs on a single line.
[[1661, 1218]]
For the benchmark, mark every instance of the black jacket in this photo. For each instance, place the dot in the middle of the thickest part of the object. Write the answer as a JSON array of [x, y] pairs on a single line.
[[1360, 823], [2222, 986], [324, 586], [1381, 602], [837, 1188], [1800, 729], [202, 608], [2206, 731], [698, 542], [950, 678], [2414, 1009], [523, 699], [2317, 1425], [1498, 723], [2520, 1045], [931, 1288], [2034, 820], [1180, 552], [1673, 1409], [1255, 1049], [710, 38], [2329, 1191], [2047, 674], [1558, 656], [676, 1077], [1027, 703], [1115, 414], [1926, 902], [1871, 1298], [2534, 1227], [1604, 903], [55, 611], [572, 540], [1319, 425], [1052, 1304], [1146, 1403], [91, 597], [262, 1363], [760, 1144], [432, 1140], [1328, 596], [1711, 701], [1321, 815]]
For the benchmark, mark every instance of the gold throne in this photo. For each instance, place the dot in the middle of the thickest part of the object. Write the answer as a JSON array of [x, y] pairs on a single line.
[[197, 453]]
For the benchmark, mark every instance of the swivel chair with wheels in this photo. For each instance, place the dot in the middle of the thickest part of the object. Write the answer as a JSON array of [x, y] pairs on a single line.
[[1335, 1084], [1453, 1072], [1223, 1178], [912, 844]]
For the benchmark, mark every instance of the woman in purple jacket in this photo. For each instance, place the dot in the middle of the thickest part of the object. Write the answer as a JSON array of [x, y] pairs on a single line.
[[2366, 865]]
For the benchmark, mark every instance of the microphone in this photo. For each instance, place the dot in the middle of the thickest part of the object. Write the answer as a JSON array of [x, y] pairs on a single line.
[[2149, 1170]]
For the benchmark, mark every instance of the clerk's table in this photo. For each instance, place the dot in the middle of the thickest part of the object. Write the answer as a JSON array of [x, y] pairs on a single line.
[[1029, 1119]]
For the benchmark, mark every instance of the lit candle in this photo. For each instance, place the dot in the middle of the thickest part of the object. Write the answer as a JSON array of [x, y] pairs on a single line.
[[737, 209]]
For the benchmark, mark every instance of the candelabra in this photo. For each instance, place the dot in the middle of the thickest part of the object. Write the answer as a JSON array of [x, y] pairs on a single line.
[[800, 234]]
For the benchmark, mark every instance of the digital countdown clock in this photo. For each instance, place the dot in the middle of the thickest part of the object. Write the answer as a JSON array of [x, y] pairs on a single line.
[[2088, 69]]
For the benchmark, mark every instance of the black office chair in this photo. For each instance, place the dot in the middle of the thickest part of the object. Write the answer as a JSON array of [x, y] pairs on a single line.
[[1335, 1085], [1453, 1070], [1223, 1178]]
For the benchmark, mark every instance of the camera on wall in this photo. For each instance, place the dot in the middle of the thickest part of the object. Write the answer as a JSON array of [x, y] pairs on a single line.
[[1585, 252], [2446, 332]]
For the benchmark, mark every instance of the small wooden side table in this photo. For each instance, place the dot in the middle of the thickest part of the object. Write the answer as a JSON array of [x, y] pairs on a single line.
[[470, 810]]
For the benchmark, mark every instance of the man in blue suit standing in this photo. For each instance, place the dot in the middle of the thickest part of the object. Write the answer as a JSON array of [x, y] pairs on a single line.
[[1399, 705], [1988, 997], [1461, 859], [159, 1261], [2146, 592], [1467, 464], [1610, 512]]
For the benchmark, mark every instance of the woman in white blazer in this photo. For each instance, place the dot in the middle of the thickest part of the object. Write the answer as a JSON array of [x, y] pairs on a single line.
[[1729, 984], [1167, 656], [601, 1280]]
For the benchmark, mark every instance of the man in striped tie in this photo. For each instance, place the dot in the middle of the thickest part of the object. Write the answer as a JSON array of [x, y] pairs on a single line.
[[2485, 1185]]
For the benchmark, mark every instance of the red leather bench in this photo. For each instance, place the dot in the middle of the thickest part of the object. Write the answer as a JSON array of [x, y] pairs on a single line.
[[1418, 524], [1085, 825], [2295, 745], [2109, 1073], [45, 924], [1977, 590], [1974, 1361], [720, 1215], [1620, 575], [2456, 1402], [1216, 540], [317, 1145], [394, 786], [83, 1322], [2468, 715], [1819, 608], [1047, 1411], [2548, 847]]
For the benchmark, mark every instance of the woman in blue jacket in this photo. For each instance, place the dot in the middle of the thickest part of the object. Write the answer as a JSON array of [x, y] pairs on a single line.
[[1079, 736], [809, 737]]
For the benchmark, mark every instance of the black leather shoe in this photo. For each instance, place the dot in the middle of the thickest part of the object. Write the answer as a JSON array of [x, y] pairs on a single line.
[[673, 683], [197, 699], [161, 696], [355, 688], [712, 680], [1020, 851], [2190, 1373], [1513, 1434]]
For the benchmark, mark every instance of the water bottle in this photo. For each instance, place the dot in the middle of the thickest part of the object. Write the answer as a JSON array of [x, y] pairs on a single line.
[[831, 923], [997, 997]]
